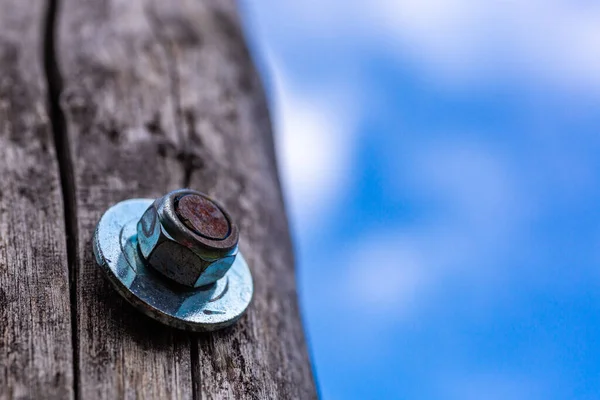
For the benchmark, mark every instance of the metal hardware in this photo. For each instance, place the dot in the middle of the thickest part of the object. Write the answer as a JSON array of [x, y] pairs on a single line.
[[188, 238], [176, 259]]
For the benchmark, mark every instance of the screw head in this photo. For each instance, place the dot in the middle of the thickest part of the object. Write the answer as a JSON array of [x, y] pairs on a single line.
[[188, 237]]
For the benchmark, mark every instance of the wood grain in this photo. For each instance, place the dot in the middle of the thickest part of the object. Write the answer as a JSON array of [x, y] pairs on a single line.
[[161, 95], [115, 86], [35, 319]]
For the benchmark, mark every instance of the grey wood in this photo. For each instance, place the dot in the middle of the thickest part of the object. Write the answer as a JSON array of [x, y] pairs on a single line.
[[115, 85], [160, 95], [35, 320]]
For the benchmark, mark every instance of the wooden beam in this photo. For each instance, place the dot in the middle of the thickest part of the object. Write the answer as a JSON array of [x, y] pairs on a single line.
[[35, 320], [160, 95]]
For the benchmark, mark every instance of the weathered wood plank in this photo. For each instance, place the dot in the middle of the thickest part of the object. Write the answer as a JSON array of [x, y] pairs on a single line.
[[160, 95], [35, 319], [115, 87]]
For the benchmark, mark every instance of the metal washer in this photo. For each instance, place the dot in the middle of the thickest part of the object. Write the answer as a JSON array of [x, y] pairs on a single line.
[[200, 310]]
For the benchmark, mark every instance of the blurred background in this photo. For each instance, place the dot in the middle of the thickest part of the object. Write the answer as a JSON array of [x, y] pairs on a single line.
[[441, 164]]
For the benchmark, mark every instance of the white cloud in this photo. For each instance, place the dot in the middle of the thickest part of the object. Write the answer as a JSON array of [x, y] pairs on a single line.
[[480, 211], [473, 181], [315, 141], [550, 42], [383, 275]]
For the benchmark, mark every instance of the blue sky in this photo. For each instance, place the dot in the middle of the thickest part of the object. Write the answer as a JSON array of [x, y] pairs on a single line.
[[441, 163]]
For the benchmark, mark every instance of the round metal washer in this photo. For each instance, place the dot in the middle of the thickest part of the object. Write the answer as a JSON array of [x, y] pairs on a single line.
[[200, 310]]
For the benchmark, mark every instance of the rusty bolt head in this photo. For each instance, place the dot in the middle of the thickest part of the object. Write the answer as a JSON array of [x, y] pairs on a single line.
[[202, 216], [188, 237]]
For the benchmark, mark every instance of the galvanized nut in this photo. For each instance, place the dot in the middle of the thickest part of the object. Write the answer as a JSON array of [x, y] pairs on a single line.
[[188, 237]]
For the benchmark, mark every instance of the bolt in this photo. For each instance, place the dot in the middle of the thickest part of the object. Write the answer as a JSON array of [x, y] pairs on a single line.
[[202, 216], [188, 237]]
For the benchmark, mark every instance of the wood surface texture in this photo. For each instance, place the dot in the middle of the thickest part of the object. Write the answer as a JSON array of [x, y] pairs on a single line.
[[35, 323], [120, 99]]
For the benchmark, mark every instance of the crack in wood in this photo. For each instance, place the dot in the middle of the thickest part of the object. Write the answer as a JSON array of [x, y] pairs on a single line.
[[58, 124]]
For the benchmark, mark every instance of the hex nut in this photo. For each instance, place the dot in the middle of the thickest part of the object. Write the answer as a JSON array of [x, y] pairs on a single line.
[[172, 245]]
